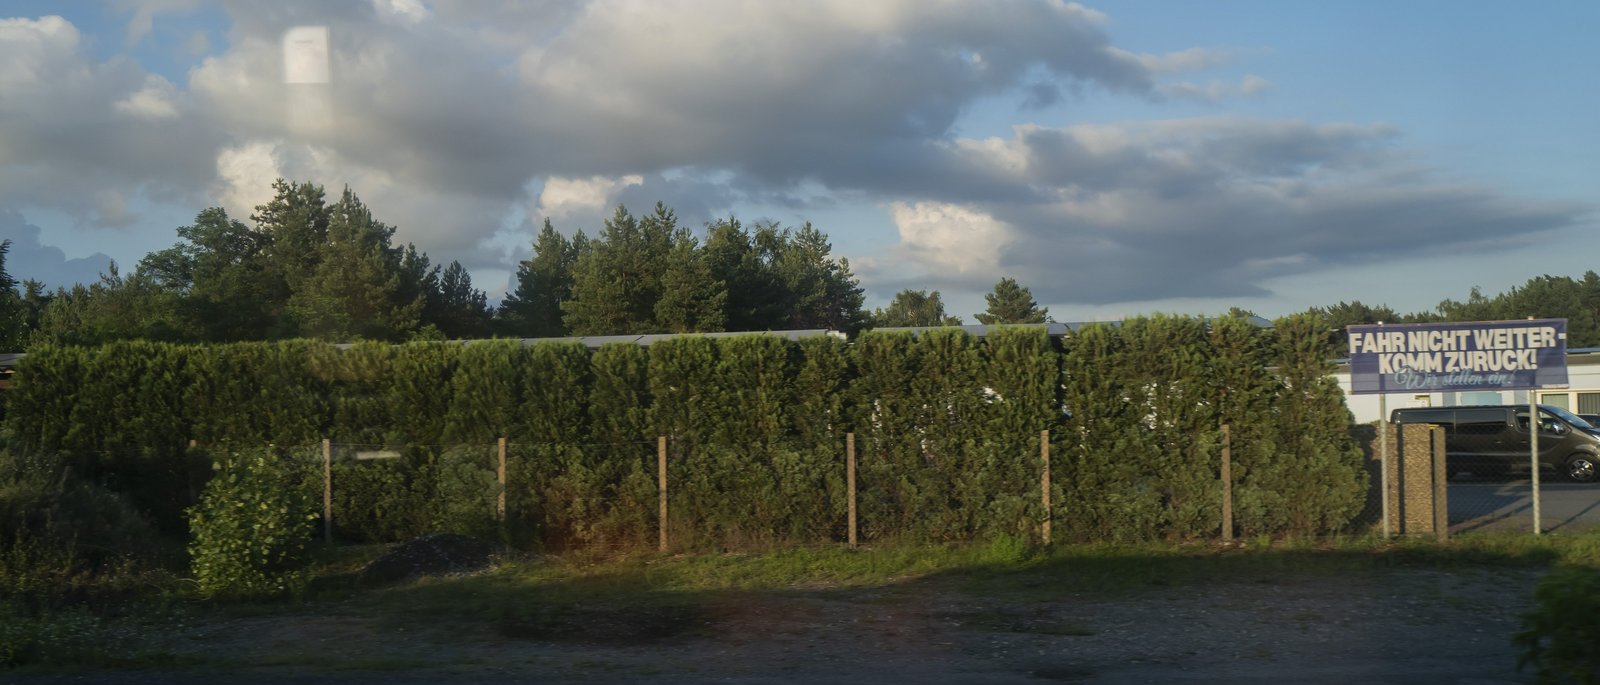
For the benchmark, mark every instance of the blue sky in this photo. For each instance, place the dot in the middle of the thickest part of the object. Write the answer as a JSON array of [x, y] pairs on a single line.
[[1118, 158]]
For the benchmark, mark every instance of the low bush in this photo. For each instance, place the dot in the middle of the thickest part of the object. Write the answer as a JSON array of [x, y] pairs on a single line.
[[253, 526], [62, 539], [1560, 634]]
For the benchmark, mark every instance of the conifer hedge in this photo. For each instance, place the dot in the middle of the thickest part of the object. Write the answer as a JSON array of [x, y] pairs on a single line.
[[947, 429]]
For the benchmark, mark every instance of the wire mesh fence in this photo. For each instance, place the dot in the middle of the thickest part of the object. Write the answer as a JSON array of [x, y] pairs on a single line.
[[1474, 474]]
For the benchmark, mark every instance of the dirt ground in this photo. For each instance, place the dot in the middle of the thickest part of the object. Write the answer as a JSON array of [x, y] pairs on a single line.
[[1393, 626]]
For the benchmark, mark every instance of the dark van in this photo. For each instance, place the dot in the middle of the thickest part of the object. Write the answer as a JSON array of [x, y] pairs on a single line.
[[1489, 439]]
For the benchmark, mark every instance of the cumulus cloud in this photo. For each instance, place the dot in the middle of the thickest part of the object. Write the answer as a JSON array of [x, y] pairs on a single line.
[[957, 241], [566, 198], [72, 128], [465, 123]]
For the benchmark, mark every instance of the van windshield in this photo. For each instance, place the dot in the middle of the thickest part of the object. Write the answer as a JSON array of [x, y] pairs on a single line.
[[1567, 416]]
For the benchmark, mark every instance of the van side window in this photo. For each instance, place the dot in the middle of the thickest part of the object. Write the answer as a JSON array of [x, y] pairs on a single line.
[[1481, 422]]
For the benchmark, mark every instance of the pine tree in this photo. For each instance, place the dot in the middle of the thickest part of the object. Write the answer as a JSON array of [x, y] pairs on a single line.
[[354, 291], [13, 311], [220, 268], [544, 281], [617, 282], [1012, 303], [295, 223], [692, 300], [821, 291], [460, 311]]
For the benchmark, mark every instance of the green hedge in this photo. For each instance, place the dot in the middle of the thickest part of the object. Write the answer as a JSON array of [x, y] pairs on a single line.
[[947, 429]]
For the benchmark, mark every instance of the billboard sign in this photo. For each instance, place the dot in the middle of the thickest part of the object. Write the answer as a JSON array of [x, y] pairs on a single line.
[[1458, 357]]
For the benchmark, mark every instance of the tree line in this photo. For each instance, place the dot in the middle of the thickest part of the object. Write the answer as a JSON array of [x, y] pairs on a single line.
[[308, 265], [1542, 297]]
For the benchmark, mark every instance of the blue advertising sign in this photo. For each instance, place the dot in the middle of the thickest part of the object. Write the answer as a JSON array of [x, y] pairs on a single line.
[[1455, 357]]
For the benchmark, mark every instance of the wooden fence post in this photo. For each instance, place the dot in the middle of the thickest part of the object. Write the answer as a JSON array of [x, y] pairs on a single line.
[[1044, 482], [500, 503], [661, 481], [1227, 483], [327, 491], [850, 482]]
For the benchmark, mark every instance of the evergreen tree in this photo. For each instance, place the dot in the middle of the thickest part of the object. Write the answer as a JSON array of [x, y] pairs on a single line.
[[460, 311], [13, 310], [821, 291], [35, 298], [354, 290], [544, 281], [1012, 303], [116, 307], [692, 300], [295, 222], [742, 262], [914, 308], [1346, 314], [617, 282], [419, 278]]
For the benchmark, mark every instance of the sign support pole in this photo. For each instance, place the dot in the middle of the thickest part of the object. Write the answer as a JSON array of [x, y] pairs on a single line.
[[1533, 431], [1383, 457]]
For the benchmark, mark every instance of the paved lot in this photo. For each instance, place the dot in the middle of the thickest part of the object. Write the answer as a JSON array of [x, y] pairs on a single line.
[[1478, 504]]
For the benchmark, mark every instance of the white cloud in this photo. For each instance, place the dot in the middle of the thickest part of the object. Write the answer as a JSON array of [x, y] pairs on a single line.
[[157, 100], [567, 197], [31, 49], [950, 239], [244, 177]]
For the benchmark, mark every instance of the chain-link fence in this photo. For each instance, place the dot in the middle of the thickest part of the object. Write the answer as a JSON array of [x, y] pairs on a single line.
[[1495, 481], [672, 495]]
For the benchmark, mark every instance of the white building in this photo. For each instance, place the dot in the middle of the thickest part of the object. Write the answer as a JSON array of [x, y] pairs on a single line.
[[1582, 395]]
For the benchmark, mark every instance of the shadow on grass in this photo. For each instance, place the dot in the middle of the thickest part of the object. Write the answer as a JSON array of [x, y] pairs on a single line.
[[654, 598]]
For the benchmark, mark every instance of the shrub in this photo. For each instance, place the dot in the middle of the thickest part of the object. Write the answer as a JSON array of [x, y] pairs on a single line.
[[253, 525], [64, 539], [1559, 636]]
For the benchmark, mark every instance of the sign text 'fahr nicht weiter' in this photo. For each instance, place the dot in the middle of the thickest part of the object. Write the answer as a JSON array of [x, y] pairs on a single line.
[[1453, 357]]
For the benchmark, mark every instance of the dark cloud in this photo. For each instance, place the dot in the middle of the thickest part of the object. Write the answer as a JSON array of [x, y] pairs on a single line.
[[1216, 208], [31, 259]]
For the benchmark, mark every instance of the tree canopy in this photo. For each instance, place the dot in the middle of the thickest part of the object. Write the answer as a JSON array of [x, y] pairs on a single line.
[[1012, 303], [305, 265], [914, 308]]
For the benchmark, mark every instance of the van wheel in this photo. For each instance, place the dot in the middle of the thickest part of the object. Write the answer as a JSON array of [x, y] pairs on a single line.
[[1582, 469]]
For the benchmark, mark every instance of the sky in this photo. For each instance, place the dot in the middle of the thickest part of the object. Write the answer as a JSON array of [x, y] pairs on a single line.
[[1117, 158]]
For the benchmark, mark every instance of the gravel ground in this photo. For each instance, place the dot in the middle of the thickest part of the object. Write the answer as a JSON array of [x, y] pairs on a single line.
[[1400, 626]]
